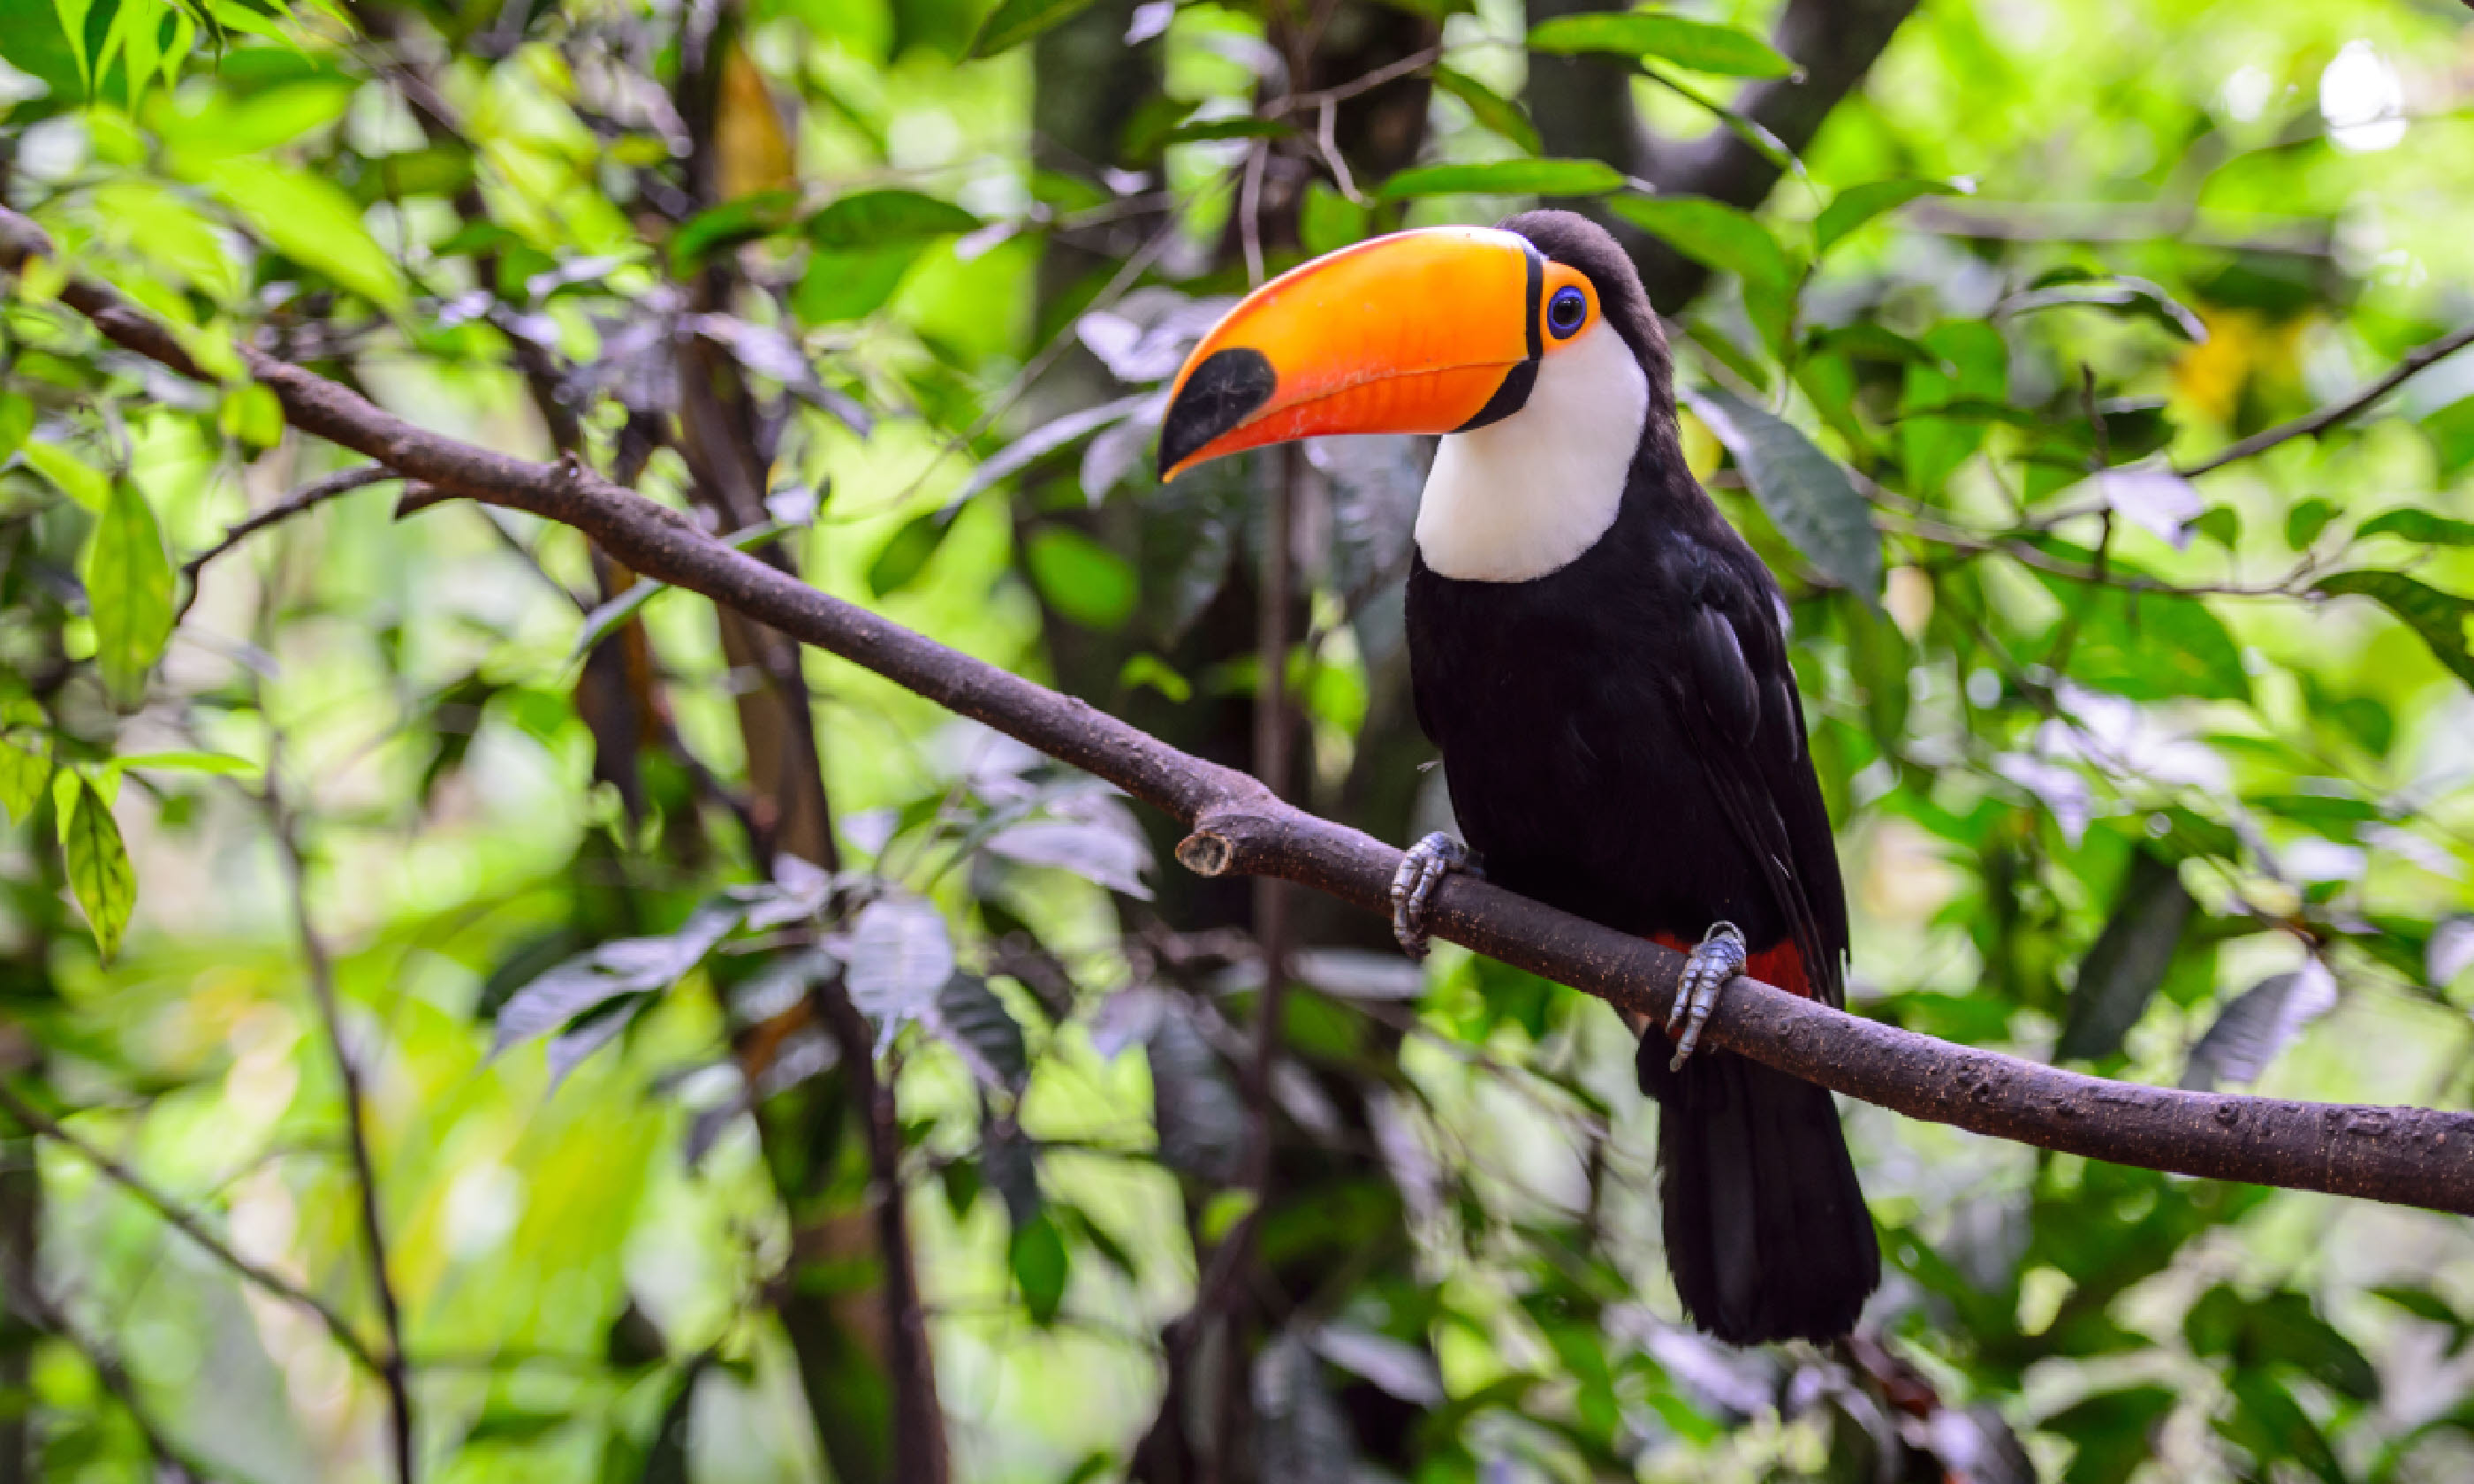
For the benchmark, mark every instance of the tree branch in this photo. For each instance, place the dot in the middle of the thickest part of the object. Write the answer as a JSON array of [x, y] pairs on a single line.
[[320, 965], [315, 492], [2312, 424], [2414, 1156], [179, 1219]]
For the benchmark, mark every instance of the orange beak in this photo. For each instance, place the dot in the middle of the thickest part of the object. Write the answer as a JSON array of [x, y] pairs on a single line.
[[1426, 331]]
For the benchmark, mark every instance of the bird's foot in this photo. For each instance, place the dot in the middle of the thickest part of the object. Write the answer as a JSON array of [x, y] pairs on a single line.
[[1706, 969], [1422, 869]]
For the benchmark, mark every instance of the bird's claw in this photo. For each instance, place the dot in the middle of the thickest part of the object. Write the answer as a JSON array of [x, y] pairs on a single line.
[[1423, 868], [1706, 969]]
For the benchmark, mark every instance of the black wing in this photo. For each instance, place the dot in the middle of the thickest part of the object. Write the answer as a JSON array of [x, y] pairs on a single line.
[[1749, 734]]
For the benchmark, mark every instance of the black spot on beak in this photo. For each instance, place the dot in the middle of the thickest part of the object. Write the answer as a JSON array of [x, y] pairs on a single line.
[[1224, 392]]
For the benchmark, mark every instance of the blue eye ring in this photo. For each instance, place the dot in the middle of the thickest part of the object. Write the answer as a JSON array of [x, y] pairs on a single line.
[[1567, 312]]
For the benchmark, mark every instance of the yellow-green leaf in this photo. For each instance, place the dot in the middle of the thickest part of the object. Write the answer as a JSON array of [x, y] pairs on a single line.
[[128, 593], [76, 478], [25, 766], [1082, 580], [16, 422], [1493, 113], [100, 875], [1858, 205], [311, 221]]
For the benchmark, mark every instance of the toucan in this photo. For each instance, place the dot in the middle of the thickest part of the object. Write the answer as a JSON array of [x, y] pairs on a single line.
[[1602, 660]]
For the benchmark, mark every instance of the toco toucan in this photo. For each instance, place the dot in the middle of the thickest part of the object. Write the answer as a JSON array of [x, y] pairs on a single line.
[[1602, 660]]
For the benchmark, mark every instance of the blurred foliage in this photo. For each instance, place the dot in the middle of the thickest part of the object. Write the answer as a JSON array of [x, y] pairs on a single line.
[[2165, 775]]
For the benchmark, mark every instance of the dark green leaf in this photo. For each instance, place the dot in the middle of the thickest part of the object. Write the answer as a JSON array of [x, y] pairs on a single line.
[[1858, 205], [1200, 1119], [2145, 645], [969, 1015], [1083, 581], [884, 218], [1494, 114], [1970, 370], [100, 875], [1803, 490], [1205, 131], [2260, 1021], [2269, 1424], [1016, 21], [849, 285], [905, 551], [1687, 43], [1505, 177], [1712, 233], [2113, 1432], [2418, 526], [1040, 1266], [2128, 963], [726, 225], [2437, 617], [129, 585]]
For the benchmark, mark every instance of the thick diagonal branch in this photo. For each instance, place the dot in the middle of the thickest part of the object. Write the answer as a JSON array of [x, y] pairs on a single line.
[[2414, 1156]]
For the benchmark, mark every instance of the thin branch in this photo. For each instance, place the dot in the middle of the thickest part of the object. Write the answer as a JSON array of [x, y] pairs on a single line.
[[313, 493], [2401, 1155], [2313, 423], [181, 1220], [1414, 62], [321, 966]]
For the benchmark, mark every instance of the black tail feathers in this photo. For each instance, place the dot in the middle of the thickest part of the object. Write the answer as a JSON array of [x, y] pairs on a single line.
[[1766, 1230]]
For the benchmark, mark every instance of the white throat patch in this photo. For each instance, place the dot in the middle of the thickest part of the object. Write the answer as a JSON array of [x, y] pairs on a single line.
[[1517, 499]]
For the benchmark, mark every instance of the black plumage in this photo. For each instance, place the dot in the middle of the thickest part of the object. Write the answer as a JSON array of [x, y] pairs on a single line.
[[1623, 740]]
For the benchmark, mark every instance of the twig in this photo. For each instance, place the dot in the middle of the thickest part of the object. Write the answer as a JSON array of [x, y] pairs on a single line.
[[1249, 211], [1340, 92], [321, 967], [2410, 1156], [181, 1220], [1327, 139], [315, 492], [2335, 413]]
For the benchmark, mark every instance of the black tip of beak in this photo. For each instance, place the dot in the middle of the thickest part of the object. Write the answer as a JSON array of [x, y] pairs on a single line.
[[1222, 392]]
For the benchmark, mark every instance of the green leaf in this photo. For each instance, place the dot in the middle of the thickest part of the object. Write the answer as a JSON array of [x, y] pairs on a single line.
[[1712, 233], [25, 767], [100, 877], [2305, 520], [905, 551], [1687, 43], [1505, 177], [881, 219], [1040, 1265], [129, 587], [16, 422], [2124, 969], [1203, 130], [849, 285], [310, 221], [222, 765], [1494, 114], [716, 228], [74, 477], [2438, 617], [1083, 581], [1858, 205], [1016, 21], [2419, 526], [2451, 430], [1328, 221], [2113, 1432], [1803, 490]]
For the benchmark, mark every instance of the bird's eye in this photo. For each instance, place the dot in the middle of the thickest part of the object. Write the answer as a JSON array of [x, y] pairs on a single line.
[[1565, 312]]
